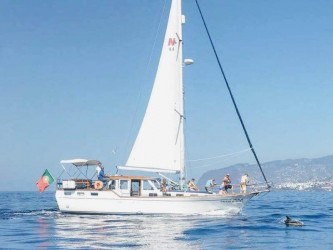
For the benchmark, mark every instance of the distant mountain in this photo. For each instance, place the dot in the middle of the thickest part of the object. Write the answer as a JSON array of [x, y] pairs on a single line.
[[301, 174]]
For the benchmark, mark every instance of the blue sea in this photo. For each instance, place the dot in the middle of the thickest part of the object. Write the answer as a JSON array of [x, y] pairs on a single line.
[[31, 220]]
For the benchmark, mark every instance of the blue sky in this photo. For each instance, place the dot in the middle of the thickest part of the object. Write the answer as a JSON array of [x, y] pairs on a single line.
[[75, 77]]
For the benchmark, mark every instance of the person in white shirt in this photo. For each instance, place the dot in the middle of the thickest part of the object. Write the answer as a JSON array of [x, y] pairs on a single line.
[[244, 182]]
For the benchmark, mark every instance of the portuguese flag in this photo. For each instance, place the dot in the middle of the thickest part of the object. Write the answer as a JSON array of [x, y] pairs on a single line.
[[45, 181]]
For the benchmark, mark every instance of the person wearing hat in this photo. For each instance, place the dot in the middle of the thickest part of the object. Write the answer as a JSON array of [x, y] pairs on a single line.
[[191, 186], [209, 185], [244, 182], [227, 182]]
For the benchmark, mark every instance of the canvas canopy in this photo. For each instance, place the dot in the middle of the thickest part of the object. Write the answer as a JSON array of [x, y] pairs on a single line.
[[81, 162]]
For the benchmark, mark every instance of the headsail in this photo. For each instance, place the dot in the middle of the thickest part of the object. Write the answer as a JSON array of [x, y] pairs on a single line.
[[159, 145]]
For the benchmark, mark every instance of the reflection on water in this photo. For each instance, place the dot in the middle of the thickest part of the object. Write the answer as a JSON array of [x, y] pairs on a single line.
[[43, 233], [30, 222], [106, 231]]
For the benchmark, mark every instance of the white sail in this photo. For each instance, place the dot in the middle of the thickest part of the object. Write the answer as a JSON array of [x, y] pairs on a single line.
[[159, 145]]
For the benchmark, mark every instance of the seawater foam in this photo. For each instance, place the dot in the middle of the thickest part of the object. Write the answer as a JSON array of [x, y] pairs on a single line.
[[222, 213], [301, 186]]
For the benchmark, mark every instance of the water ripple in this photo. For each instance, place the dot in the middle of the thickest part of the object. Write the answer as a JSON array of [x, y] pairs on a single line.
[[32, 221]]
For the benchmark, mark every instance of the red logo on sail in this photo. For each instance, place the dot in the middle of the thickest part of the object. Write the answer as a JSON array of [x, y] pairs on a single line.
[[171, 43]]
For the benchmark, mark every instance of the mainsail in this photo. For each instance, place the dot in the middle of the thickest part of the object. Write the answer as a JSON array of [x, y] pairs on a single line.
[[159, 145]]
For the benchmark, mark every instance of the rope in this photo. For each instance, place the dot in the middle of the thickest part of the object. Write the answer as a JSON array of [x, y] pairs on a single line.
[[214, 163], [231, 95], [220, 156]]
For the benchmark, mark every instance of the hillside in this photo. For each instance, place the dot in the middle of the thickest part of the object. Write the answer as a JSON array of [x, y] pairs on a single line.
[[298, 174]]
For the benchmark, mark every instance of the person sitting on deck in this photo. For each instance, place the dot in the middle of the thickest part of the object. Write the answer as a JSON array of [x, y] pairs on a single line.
[[164, 185], [222, 190], [191, 186], [102, 177], [98, 169]]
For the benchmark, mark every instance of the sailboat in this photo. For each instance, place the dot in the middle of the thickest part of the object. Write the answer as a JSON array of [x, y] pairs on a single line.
[[158, 148]]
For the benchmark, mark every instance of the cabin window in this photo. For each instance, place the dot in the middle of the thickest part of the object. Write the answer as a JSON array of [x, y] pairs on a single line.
[[123, 184], [147, 186], [156, 184], [113, 184]]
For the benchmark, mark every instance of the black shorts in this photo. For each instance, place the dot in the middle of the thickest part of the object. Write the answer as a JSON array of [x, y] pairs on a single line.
[[226, 187]]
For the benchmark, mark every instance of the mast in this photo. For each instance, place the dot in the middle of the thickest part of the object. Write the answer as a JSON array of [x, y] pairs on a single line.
[[181, 21]]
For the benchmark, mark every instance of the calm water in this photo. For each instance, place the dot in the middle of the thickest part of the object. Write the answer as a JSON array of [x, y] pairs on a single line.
[[30, 220]]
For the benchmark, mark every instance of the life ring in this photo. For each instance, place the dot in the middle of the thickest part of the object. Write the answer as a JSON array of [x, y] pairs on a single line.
[[98, 185]]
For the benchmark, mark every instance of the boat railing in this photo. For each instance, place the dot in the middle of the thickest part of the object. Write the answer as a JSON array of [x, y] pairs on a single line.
[[236, 188], [259, 187], [75, 183]]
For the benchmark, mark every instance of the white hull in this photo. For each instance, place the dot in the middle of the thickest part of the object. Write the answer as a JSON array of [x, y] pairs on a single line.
[[107, 202]]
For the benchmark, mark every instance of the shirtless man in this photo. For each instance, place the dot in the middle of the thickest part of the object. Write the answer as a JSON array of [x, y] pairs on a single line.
[[227, 183]]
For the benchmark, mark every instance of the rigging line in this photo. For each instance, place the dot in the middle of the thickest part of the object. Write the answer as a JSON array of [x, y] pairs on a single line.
[[231, 95], [181, 117], [147, 67], [179, 43], [220, 156], [216, 162]]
